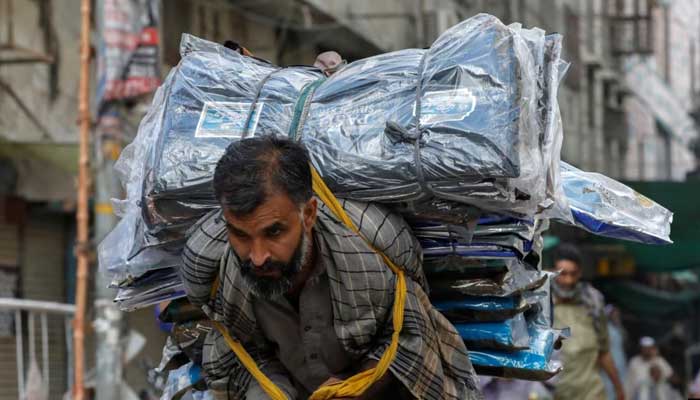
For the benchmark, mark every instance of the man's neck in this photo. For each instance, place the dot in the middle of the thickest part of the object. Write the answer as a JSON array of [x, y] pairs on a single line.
[[304, 274]]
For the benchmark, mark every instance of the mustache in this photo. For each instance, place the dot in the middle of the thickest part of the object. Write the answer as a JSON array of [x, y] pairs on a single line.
[[268, 266]]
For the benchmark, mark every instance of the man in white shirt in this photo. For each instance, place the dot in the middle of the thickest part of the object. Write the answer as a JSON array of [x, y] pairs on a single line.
[[638, 370]]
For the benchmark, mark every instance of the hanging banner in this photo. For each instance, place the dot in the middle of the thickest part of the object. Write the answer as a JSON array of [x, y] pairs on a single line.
[[128, 61]]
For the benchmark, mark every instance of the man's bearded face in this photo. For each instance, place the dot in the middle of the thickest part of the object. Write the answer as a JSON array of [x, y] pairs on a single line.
[[272, 243]]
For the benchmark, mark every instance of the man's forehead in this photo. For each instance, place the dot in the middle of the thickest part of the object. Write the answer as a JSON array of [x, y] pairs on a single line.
[[277, 209]]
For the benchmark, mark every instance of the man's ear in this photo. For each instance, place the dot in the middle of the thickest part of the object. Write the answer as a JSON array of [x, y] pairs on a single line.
[[310, 212]]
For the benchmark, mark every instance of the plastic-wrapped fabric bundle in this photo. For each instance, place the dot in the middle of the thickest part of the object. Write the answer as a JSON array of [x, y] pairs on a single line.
[[605, 207], [494, 246], [541, 311], [509, 335], [481, 308], [115, 252], [533, 363], [517, 280], [471, 97], [151, 288], [487, 226], [478, 99], [464, 267]]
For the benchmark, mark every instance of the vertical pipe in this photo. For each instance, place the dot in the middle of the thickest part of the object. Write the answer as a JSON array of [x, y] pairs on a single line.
[[667, 43], [32, 337], [83, 196], [45, 350], [19, 347], [68, 336]]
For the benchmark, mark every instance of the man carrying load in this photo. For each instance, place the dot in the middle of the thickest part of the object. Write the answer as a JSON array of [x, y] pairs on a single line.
[[306, 295]]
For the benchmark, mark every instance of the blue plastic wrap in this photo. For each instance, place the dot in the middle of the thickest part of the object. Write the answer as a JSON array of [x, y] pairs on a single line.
[[533, 363], [182, 378], [605, 207], [517, 279], [481, 308], [508, 335]]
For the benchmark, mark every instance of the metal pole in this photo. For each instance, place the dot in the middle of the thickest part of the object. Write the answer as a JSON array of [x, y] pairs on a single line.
[[83, 197], [45, 350], [109, 321], [20, 353]]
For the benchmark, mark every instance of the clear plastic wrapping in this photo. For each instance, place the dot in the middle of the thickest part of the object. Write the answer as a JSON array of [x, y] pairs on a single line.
[[461, 121], [518, 279], [151, 288], [508, 335], [536, 361], [482, 308], [605, 207], [183, 381], [533, 363]]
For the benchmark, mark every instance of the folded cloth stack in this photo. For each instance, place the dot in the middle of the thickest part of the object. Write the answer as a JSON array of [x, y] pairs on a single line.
[[534, 362], [486, 280]]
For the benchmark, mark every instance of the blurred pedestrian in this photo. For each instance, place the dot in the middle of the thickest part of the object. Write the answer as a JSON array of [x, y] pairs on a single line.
[[655, 386], [617, 336], [639, 367], [580, 307]]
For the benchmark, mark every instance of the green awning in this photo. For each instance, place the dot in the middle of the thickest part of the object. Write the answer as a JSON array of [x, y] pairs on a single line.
[[644, 300]]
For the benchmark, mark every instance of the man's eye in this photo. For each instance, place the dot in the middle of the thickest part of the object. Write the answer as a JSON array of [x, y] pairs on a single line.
[[274, 232]]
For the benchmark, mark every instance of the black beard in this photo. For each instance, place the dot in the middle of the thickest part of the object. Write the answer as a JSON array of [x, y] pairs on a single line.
[[263, 287]]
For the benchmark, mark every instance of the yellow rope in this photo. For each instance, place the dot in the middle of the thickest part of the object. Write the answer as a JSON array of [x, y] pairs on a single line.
[[355, 385]]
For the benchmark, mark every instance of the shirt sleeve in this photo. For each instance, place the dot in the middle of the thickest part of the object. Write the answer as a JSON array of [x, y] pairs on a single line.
[[278, 375], [228, 379], [666, 369]]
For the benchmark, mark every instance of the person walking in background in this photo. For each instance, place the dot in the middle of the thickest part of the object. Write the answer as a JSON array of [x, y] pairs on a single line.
[[581, 307], [617, 336], [655, 386], [639, 368]]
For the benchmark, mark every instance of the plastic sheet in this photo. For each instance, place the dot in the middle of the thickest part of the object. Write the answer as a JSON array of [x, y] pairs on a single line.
[[605, 207], [541, 311], [463, 123], [481, 308], [115, 252], [487, 226], [533, 363], [496, 246], [466, 109], [511, 283], [508, 335], [182, 380], [151, 288]]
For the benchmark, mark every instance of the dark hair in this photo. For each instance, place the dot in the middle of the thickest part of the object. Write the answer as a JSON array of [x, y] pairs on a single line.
[[567, 251], [253, 169]]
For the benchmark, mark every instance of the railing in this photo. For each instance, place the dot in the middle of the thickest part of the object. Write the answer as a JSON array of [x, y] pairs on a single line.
[[42, 309]]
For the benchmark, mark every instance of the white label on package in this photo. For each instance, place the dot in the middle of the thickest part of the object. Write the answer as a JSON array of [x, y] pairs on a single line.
[[226, 119], [446, 105]]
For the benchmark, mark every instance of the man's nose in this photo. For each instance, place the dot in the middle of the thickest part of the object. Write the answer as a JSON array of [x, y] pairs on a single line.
[[259, 254]]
